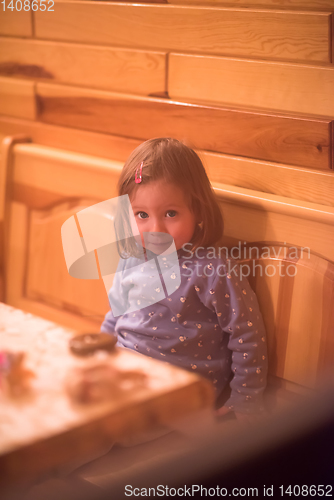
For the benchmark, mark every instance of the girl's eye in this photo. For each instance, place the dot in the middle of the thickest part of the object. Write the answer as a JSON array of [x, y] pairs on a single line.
[[171, 213], [142, 215]]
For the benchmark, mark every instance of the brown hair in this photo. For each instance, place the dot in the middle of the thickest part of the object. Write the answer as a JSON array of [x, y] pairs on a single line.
[[172, 161]]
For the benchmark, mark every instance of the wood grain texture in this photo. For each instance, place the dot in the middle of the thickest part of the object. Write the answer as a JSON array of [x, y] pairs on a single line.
[[317, 5], [15, 23], [306, 299], [59, 172], [132, 71], [48, 280], [284, 180], [270, 203], [253, 216], [17, 241], [234, 32], [17, 266], [287, 139], [17, 98], [70, 139], [289, 285], [283, 87], [54, 430], [249, 214], [6, 193], [69, 175], [326, 354], [47, 187]]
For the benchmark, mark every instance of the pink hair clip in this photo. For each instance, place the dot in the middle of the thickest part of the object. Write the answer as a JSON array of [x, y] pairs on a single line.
[[138, 178]]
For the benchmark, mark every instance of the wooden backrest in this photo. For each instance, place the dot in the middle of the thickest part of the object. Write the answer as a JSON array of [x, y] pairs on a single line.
[[50, 185], [295, 290], [47, 187]]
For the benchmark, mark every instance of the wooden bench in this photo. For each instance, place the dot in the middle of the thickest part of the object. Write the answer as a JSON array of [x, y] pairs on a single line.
[[295, 290], [50, 185]]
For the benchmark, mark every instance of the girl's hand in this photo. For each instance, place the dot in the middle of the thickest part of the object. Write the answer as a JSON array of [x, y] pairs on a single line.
[[222, 411]]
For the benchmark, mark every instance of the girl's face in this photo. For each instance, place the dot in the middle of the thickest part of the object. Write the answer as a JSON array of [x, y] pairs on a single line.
[[161, 207]]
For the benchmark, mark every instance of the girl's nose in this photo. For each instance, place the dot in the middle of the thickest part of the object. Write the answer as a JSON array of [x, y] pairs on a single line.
[[158, 226]]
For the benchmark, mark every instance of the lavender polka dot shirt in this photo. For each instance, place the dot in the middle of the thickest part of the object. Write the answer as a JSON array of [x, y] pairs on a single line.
[[210, 325]]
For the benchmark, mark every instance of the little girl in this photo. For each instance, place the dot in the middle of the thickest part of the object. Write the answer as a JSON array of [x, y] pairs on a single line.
[[209, 322]]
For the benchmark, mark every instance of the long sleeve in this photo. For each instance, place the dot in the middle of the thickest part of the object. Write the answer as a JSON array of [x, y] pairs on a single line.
[[247, 341], [239, 316], [109, 323]]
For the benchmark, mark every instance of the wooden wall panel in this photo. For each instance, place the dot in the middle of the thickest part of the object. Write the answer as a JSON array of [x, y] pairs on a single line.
[[132, 71], [284, 87], [274, 4], [235, 32], [17, 98], [291, 140], [15, 23]]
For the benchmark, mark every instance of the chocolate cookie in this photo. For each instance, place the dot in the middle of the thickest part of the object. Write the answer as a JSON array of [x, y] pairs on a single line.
[[84, 345]]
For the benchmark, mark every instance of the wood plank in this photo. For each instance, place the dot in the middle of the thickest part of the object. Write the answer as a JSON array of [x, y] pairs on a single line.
[[326, 354], [284, 180], [306, 300], [17, 98], [286, 139], [6, 192], [49, 170], [70, 139], [286, 35], [125, 70], [68, 175], [283, 87], [253, 216], [15, 23], [274, 4], [289, 284], [48, 280], [15, 264], [45, 168], [269, 203]]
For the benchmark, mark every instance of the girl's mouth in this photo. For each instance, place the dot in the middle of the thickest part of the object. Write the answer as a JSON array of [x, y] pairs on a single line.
[[157, 242]]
